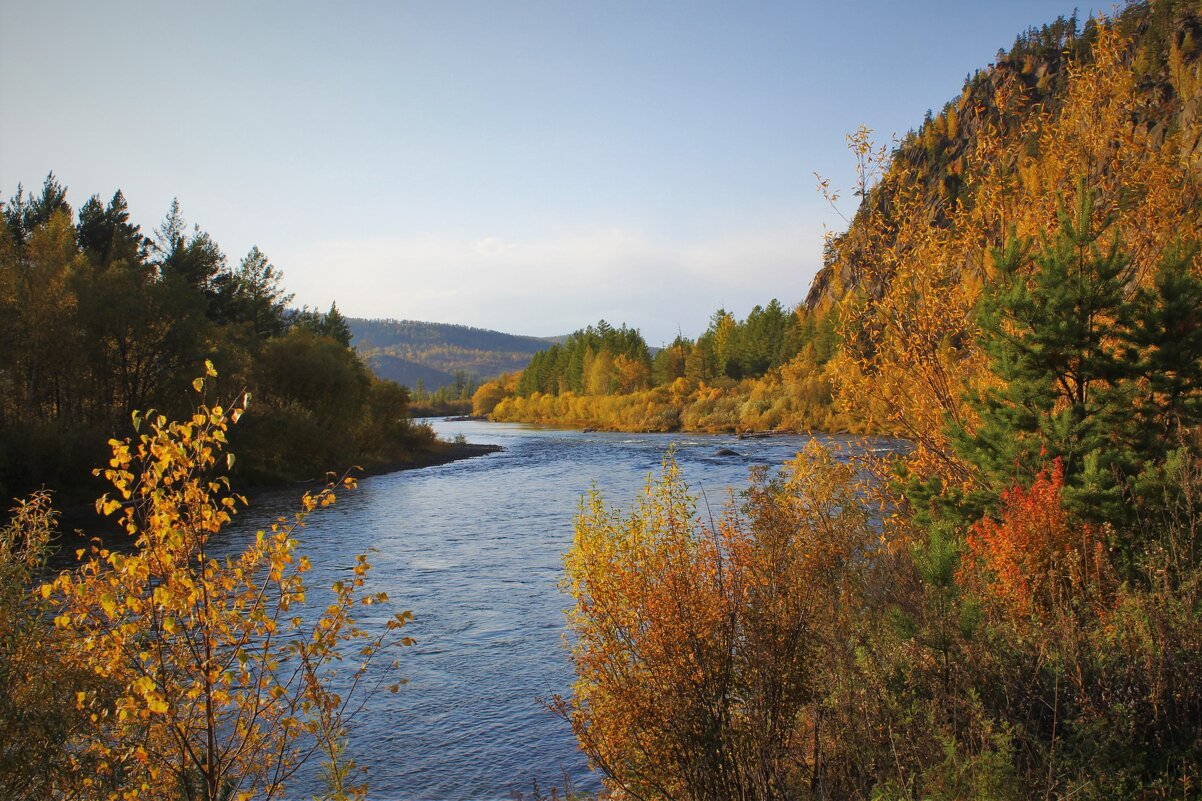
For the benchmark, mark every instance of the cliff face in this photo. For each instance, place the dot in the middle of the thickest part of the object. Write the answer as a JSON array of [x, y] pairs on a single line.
[[997, 121]]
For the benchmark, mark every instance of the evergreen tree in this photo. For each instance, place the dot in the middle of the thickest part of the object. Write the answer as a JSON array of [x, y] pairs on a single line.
[[192, 259], [253, 295], [107, 236], [1166, 340], [335, 326], [763, 338], [1051, 326], [25, 214]]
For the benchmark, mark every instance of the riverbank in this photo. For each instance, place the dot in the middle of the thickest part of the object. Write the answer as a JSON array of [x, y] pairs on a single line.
[[780, 402], [637, 426], [83, 518], [447, 453]]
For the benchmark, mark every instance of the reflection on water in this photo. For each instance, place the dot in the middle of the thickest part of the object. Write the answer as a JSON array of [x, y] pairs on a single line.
[[474, 549]]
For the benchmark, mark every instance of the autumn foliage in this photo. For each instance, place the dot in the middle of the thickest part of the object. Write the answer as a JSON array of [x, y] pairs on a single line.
[[907, 276], [1013, 611], [211, 676], [98, 319], [1010, 610], [1034, 553], [700, 652]]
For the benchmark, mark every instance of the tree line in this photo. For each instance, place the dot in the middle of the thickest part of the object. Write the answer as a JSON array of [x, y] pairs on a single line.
[[766, 371], [100, 318], [603, 360]]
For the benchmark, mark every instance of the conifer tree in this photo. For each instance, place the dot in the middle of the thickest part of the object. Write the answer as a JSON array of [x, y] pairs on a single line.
[[335, 326], [1051, 326], [107, 236], [1166, 339], [253, 296]]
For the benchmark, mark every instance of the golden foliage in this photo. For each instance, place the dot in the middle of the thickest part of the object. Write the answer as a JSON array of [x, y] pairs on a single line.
[[909, 357], [40, 672], [490, 393], [224, 683], [699, 649], [794, 397]]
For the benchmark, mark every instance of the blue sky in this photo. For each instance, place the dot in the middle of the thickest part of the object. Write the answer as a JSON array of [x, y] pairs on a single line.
[[526, 166]]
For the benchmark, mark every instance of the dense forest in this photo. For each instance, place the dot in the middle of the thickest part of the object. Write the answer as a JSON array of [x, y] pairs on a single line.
[[101, 319], [762, 372]]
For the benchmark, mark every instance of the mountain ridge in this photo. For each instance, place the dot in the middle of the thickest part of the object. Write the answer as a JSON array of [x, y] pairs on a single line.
[[440, 354]]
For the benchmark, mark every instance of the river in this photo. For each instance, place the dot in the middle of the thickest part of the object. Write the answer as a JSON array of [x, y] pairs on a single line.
[[474, 548]]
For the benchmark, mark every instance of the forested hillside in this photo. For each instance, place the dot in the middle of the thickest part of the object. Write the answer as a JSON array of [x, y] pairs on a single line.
[[941, 167], [410, 373], [1013, 610], [1104, 114], [885, 340], [100, 319], [439, 354]]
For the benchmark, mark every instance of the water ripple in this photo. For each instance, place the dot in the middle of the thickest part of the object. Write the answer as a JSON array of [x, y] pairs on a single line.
[[475, 549]]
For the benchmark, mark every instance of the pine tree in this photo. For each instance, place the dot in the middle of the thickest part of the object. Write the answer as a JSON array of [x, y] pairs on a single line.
[[335, 326], [1052, 327], [191, 258], [107, 236], [1166, 339], [253, 295]]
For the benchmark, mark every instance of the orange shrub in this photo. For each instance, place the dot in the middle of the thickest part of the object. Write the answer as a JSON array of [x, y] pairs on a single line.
[[1027, 558]]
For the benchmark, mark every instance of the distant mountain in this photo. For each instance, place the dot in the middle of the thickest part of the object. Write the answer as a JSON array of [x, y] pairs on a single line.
[[407, 351], [409, 373]]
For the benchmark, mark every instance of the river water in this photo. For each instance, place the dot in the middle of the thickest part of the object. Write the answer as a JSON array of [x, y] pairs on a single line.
[[474, 548]]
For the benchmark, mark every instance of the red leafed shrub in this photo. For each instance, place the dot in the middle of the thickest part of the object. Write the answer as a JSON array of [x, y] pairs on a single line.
[[1034, 551]]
